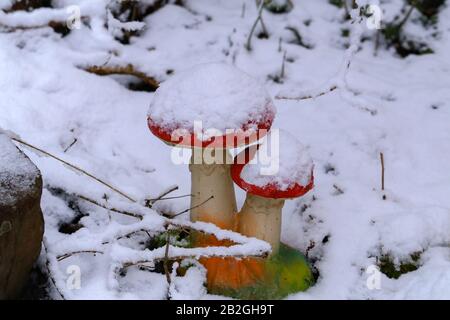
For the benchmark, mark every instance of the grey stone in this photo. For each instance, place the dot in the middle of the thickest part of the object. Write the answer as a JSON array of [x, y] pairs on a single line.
[[21, 220]]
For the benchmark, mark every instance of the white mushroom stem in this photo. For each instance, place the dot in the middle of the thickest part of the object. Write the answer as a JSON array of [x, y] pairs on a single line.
[[261, 218], [210, 176]]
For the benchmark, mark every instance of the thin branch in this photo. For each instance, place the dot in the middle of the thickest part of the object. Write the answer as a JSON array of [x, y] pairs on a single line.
[[309, 96], [248, 46], [74, 167], [71, 145], [150, 202], [67, 255], [283, 66], [47, 264], [127, 70], [127, 213], [166, 259], [191, 208], [177, 197], [406, 17], [382, 174], [181, 257]]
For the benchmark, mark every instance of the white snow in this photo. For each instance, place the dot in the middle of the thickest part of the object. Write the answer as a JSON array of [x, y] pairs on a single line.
[[281, 160], [384, 104], [216, 95]]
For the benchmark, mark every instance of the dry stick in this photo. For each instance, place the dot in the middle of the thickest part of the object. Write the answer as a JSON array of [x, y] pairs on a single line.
[[71, 145], [194, 207], [177, 197], [69, 254], [408, 14], [248, 46], [47, 264], [382, 174], [166, 258], [151, 202], [330, 89], [127, 70], [261, 20], [127, 213], [74, 167], [181, 257], [283, 66]]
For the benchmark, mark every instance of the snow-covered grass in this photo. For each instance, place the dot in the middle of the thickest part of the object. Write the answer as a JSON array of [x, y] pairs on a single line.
[[384, 103]]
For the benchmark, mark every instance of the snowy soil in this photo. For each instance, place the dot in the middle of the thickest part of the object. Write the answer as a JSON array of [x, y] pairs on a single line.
[[48, 100]]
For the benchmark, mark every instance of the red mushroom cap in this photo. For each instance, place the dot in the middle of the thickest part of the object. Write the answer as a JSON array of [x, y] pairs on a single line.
[[269, 190], [246, 135], [211, 105]]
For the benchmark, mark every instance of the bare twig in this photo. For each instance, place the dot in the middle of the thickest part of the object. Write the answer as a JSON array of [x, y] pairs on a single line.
[[127, 213], [191, 208], [406, 17], [310, 96], [69, 254], [150, 202], [71, 145], [74, 167], [382, 174], [181, 257], [166, 259], [127, 70], [283, 66], [47, 264], [248, 46]]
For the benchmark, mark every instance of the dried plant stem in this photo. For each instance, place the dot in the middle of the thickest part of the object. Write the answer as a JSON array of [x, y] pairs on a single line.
[[127, 213], [69, 254], [310, 96], [283, 66], [382, 174], [127, 70], [181, 257], [166, 259], [73, 167], [150, 202], [194, 207], [52, 279], [248, 46]]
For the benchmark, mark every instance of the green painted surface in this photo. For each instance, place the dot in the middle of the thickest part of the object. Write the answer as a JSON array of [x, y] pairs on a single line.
[[285, 273]]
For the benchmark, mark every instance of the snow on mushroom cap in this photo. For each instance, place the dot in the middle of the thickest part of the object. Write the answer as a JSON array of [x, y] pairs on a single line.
[[280, 168], [220, 96]]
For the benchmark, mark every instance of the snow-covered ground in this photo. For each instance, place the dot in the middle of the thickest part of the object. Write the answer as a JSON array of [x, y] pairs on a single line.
[[384, 103]]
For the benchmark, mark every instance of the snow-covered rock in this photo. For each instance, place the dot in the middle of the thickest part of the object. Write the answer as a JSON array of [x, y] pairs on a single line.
[[21, 221]]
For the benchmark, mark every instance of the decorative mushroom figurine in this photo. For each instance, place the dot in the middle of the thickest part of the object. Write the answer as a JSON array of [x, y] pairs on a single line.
[[271, 172], [288, 175], [209, 109]]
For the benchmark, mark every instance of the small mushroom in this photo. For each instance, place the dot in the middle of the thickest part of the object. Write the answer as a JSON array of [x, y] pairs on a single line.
[[209, 109], [277, 169]]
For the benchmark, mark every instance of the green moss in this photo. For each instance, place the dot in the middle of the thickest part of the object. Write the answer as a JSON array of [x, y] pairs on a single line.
[[394, 271], [337, 3]]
